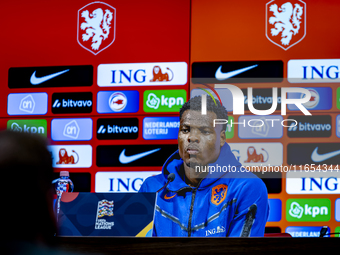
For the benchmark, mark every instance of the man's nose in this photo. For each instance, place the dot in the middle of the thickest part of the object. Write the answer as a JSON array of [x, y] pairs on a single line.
[[193, 136]]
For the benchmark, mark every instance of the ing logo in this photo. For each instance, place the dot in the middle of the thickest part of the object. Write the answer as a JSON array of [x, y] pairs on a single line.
[[159, 76], [64, 158]]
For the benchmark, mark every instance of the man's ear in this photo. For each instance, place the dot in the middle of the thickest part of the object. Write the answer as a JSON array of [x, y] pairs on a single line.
[[222, 138]]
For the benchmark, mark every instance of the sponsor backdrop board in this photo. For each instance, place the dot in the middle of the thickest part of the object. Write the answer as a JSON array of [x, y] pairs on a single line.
[[256, 44], [118, 90], [81, 77]]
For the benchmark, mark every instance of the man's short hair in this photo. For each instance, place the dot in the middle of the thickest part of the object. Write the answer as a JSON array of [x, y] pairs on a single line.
[[195, 104]]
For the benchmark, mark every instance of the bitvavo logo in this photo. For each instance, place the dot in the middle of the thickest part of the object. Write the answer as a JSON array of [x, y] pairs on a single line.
[[117, 129], [309, 127], [72, 102], [125, 128], [261, 100]]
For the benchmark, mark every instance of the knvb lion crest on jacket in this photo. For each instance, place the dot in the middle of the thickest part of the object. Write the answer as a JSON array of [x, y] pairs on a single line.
[[285, 22], [96, 26], [218, 194]]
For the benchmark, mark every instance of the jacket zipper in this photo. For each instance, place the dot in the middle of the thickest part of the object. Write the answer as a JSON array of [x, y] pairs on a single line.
[[191, 211]]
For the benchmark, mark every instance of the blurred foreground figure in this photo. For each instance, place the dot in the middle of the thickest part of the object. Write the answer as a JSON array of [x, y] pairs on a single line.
[[27, 220]]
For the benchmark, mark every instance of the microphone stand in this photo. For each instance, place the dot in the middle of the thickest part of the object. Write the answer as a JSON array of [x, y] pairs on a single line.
[[171, 177]]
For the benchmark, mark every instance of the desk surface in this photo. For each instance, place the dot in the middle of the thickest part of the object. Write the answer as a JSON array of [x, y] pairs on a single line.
[[207, 246]]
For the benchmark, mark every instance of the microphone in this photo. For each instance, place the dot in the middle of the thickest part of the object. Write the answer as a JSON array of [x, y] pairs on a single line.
[[323, 231], [171, 178]]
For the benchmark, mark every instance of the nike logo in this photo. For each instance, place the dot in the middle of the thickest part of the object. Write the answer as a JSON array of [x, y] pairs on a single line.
[[128, 159], [38, 80], [316, 157], [166, 196], [222, 76]]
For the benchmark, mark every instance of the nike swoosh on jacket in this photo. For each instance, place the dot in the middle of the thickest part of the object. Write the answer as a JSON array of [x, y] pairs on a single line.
[[197, 211]]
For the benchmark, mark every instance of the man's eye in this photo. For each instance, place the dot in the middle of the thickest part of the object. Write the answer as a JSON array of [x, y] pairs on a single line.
[[185, 130], [206, 132]]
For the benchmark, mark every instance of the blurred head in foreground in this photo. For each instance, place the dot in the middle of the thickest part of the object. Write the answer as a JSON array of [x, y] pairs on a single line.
[[26, 191]]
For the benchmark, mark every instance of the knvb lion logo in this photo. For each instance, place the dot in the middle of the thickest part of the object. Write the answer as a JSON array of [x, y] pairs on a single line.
[[218, 194], [96, 26], [285, 22]]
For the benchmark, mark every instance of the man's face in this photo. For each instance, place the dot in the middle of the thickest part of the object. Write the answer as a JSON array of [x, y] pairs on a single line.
[[199, 142]]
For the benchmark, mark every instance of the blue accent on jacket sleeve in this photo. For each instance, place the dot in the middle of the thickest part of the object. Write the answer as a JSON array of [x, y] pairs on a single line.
[[152, 183], [252, 210]]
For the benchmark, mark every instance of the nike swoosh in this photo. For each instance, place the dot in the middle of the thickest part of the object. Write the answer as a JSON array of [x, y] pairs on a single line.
[[128, 159], [38, 80], [316, 157], [166, 196], [222, 76]]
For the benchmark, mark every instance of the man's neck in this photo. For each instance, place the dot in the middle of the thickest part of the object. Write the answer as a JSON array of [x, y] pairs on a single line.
[[192, 177]]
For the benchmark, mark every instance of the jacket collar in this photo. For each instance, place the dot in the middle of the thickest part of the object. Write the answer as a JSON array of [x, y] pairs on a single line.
[[174, 163]]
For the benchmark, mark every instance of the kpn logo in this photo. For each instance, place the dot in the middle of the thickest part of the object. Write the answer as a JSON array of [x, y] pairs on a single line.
[[28, 126], [229, 133], [308, 209], [164, 100]]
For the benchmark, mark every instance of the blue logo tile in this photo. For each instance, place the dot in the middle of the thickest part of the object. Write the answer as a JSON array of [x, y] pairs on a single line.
[[337, 126], [260, 127], [117, 101], [155, 128], [305, 231], [275, 210], [71, 129], [27, 104], [337, 209], [321, 99]]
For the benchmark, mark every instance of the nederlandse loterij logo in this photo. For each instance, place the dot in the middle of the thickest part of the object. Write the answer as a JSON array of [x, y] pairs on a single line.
[[285, 22], [308, 209], [158, 128], [96, 26], [28, 126], [164, 100]]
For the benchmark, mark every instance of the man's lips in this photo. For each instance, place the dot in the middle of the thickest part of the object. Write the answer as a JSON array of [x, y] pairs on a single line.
[[192, 151]]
